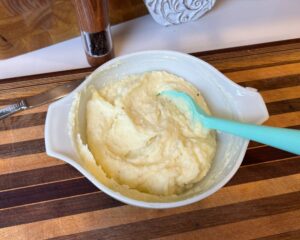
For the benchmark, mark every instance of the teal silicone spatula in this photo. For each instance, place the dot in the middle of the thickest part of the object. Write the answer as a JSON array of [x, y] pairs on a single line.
[[282, 138]]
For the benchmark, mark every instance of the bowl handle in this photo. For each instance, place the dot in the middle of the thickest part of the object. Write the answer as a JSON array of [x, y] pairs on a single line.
[[252, 107], [57, 139]]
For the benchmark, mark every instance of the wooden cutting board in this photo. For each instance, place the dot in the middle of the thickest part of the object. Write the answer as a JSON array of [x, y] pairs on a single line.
[[27, 25], [42, 197]]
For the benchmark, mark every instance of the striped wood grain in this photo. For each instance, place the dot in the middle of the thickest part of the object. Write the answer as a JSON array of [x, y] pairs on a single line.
[[42, 197]]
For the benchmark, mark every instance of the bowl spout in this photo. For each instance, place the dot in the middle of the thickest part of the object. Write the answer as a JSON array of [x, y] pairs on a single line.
[[251, 106], [57, 139]]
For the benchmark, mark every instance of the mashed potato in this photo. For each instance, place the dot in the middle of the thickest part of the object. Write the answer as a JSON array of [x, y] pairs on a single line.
[[140, 141]]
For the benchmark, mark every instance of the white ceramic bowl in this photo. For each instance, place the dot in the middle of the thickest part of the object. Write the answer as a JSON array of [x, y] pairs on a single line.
[[224, 97]]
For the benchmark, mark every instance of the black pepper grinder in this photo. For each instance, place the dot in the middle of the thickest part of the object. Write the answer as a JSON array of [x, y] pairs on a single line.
[[93, 22]]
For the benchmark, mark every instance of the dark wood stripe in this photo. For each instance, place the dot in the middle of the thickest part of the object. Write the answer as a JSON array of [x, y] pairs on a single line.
[[45, 76], [265, 154], [284, 106], [293, 235], [255, 144], [48, 85], [268, 170], [37, 176], [23, 121], [45, 192], [273, 83], [12, 88], [22, 148], [247, 48], [257, 66], [191, 221], [9, 101], [252, 54], [57, 208]]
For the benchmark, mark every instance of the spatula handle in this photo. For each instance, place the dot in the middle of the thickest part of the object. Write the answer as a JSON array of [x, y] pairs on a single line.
[[282, 138]]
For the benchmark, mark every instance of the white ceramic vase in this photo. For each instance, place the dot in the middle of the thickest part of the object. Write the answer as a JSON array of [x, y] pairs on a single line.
[[172, 12]]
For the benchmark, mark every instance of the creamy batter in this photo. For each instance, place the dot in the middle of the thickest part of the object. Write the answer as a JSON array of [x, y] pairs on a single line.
[[142, 141]]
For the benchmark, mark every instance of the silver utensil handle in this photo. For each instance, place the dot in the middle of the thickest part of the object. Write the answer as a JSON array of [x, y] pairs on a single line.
[[13, 108]]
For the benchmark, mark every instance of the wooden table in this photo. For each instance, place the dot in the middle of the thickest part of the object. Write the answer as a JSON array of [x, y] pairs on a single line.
[[27, 25], [41, 197]]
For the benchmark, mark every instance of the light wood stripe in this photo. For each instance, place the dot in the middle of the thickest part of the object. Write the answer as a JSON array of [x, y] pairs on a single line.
[[255, 61], [290, 235], [24, 91], [27, 162], [19, 135], [127, 214], [265, 73], [284, 120], [245, 230], [39, 109], [43, 108], [281, 94]]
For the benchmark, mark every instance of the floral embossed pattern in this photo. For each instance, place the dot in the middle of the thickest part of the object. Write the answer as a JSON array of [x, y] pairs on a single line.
[[170, 12]]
